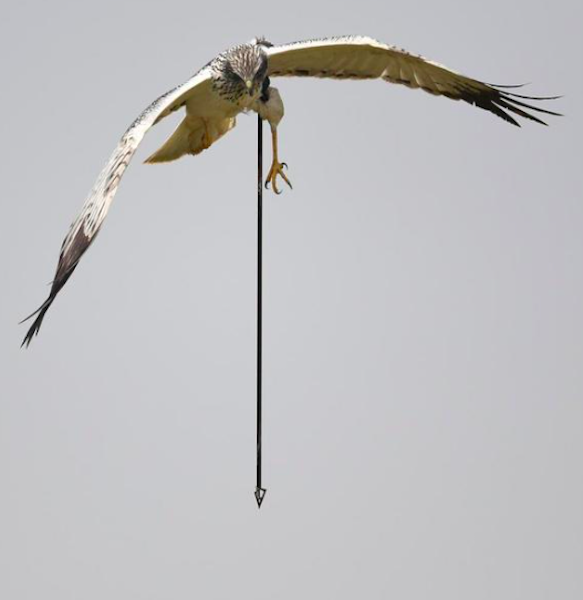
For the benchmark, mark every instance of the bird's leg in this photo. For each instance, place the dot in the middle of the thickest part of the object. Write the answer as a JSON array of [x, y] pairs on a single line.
[[270, 108], [277, 168]]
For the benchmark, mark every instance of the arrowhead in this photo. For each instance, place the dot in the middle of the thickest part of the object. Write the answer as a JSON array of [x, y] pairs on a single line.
[[259, 495]]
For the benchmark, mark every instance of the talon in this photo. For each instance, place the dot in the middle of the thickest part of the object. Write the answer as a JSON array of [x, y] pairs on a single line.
[[277, 168], [275, 171]]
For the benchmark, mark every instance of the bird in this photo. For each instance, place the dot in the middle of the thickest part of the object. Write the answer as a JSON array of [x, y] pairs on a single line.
[[238, 81]]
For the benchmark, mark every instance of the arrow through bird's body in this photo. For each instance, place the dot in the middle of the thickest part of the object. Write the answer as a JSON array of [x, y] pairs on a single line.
[[239, 80]]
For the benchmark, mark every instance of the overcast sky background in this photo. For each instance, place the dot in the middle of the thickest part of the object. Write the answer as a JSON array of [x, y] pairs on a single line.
[[423, 323]]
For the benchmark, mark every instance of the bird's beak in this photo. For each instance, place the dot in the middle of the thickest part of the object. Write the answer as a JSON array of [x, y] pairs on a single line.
[[249, 85]]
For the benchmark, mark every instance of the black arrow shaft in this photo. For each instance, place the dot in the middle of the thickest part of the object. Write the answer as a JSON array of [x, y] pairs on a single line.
[[259, 287], [259, 491]]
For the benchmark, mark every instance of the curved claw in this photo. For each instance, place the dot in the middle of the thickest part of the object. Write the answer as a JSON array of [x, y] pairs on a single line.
[[275, 188], [276, 170]]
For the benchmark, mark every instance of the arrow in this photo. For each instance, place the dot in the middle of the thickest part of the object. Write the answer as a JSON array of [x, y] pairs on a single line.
[[259, 491]]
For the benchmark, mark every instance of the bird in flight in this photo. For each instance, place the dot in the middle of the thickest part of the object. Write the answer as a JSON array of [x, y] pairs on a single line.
[[239, 80]]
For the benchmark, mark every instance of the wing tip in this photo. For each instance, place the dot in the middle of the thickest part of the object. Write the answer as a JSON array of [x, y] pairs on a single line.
[[35, 327]]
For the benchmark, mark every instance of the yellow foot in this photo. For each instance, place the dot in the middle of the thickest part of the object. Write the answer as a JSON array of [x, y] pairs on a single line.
[[276, 169]]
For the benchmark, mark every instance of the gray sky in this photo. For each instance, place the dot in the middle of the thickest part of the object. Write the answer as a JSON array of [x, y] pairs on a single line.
[[423, 324]]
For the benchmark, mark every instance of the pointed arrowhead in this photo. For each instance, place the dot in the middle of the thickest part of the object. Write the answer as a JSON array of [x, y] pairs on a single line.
[[259, 495]]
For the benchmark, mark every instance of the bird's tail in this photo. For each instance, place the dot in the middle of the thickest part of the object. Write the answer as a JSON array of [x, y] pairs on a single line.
[[35, 327]]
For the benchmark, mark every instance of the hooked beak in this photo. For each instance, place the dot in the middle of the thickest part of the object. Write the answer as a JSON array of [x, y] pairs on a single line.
[[249, 85]]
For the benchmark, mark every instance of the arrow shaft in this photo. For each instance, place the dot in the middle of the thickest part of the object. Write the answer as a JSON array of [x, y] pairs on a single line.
[[259, 491]]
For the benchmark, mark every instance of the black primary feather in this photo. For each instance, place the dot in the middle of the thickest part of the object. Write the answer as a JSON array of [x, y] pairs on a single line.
[[67, 263]]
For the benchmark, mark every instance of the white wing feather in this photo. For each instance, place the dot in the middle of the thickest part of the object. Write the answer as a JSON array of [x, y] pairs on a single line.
[[97, 204], [355, 57], [87, 224]]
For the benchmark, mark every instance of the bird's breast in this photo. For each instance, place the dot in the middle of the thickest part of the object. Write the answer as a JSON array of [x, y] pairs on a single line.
[[272, 109]]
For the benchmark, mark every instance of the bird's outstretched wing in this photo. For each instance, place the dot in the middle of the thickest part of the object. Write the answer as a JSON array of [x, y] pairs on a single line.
[[86, 226], [354, 57]]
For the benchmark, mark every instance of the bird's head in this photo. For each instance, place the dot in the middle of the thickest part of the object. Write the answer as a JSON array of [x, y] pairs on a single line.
[[241, 71]]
